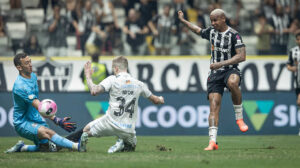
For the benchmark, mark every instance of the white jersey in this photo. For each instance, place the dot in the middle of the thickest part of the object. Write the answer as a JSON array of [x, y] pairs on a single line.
[[124, 92]]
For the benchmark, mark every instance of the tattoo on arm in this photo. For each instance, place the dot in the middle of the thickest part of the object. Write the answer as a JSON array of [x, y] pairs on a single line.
[[94, 89], [241, 53], [239, 57]]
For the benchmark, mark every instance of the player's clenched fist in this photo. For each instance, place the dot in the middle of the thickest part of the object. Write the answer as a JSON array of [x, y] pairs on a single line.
[[180, 15], [161, 99], [88, 70]]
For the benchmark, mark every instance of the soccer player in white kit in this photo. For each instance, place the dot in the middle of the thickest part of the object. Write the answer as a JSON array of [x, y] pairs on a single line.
[[120, 118]]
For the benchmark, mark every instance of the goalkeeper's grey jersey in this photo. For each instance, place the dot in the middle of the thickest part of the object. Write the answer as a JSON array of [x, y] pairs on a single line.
[[124, 92]]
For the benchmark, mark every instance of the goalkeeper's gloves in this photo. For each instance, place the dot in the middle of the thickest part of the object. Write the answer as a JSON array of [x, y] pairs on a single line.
[[65, 124]]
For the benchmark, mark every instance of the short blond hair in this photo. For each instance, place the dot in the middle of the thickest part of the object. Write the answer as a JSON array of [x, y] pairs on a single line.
[[218, 12], [121, 62]]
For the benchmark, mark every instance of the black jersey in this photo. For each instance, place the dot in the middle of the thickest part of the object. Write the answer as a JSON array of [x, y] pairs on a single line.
[[223, 44], [294, 56]]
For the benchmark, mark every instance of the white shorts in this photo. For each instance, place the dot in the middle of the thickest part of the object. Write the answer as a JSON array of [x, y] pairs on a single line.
[[103, 127]]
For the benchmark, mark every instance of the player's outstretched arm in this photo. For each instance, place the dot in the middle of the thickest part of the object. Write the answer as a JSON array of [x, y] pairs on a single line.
[[239, 57], [156, 99], [191, 26], [64, 123], [94, 89]]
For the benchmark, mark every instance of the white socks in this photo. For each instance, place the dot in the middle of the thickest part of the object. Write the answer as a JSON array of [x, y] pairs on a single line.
[[238, 109], [75, 146], [212, 132]]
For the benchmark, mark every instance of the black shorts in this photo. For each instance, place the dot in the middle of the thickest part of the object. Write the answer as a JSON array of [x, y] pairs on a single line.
[[216, 82]]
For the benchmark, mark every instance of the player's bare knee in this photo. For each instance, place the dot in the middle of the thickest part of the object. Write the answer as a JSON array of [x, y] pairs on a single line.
[[50, 132], [42, 133], [232, 84], [215, 104], [86, 128]]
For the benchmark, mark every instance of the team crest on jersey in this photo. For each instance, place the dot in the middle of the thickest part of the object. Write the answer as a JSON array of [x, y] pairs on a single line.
[[31, 96], [53, 76], [128, 82], [34, 124]]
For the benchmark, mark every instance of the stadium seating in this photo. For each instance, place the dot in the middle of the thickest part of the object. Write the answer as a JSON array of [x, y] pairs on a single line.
[[16, 30], [4, 6], [30, 3], [251, 5], [4, 48], [250, 42], [34, 18], [72, 42]]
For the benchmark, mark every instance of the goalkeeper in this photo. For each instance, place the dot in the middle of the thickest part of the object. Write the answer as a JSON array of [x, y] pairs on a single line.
[[27, 121]]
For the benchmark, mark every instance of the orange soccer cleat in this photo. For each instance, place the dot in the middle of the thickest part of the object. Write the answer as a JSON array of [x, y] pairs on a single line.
[[212, 146], [243, 127]]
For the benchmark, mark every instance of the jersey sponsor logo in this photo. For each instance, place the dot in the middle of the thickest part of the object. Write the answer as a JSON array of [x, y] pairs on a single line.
[[53, 76], [221, 49], [258, 111], [96, 108]]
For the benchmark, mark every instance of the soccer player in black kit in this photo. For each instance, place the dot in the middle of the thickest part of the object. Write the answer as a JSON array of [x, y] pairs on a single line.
[[293, 66], [227, 50]]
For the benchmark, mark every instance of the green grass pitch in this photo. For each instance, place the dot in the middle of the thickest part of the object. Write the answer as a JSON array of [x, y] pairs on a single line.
[[167, 152]]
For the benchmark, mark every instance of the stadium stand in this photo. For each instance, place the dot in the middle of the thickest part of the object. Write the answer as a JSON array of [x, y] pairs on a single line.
[[30, 4], [32, 16], [16, 32]]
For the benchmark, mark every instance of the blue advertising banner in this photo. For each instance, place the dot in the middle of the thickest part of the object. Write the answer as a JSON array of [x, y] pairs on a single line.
[[182, 114]]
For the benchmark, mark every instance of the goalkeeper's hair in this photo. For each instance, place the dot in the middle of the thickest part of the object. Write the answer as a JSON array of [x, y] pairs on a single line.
[[121, 62], [18, 57]]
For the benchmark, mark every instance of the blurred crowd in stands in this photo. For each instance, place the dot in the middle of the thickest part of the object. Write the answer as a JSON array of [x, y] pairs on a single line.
[[140, 27]]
